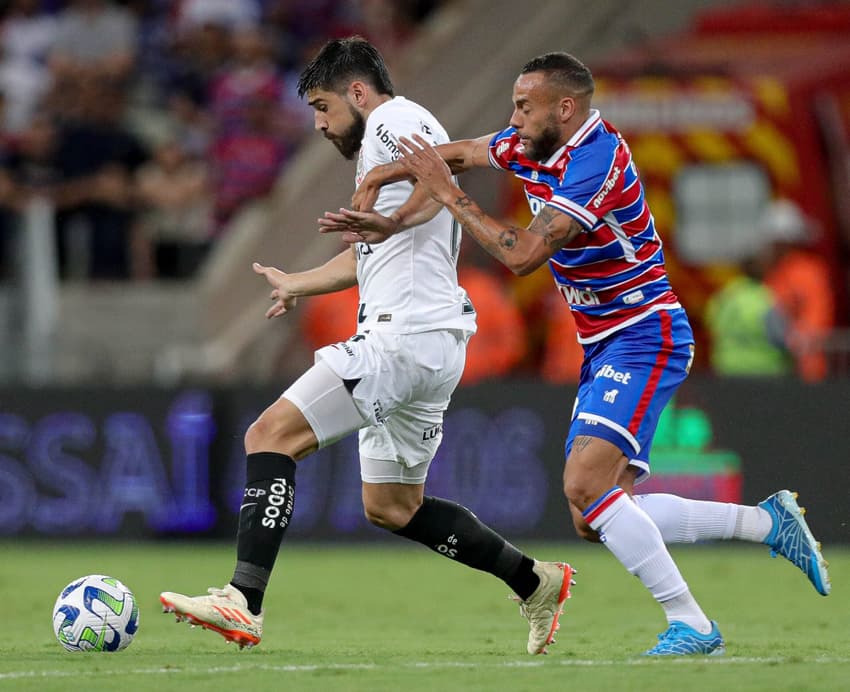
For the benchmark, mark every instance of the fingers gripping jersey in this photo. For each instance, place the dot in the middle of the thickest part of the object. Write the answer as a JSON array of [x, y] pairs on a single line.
[[613, 274], [409, 282]]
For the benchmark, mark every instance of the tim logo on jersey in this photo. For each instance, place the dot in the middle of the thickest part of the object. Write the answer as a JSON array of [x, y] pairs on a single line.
[[578, 296]]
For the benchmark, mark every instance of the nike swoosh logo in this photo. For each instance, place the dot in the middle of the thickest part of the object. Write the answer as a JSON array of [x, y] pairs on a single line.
[[249, 504]]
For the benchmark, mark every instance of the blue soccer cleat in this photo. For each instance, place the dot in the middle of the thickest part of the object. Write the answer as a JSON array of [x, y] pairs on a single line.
[[680, 639], [791, 538]]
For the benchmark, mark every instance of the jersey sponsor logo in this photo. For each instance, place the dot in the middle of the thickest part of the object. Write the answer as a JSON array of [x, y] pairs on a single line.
[[385, 317], [432, 433], [608, 372], [607, 187], [610, 395], [535, 204], [633, 297], [578, 296], [502, 148], [388, 140]]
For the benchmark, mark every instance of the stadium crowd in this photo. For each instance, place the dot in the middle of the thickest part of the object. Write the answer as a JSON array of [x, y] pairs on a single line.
[[148, 123]]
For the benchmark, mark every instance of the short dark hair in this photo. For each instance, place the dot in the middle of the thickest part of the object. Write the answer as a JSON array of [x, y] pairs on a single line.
[[343, 60], [564, 69]]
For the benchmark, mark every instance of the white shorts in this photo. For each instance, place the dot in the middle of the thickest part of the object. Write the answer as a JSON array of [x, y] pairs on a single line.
[[394, 388]]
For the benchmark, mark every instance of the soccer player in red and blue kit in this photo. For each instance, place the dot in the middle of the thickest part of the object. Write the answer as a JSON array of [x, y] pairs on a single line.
[[594, 228]]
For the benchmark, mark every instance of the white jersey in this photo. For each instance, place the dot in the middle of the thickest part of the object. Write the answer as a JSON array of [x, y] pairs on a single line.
[[408, 283]]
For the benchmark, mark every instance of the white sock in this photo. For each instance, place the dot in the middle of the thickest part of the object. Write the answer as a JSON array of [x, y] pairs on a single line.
[[752, 524], [682, 608], [682, 520], [629, 533]]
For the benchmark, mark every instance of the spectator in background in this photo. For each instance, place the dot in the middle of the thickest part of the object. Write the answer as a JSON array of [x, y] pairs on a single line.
[[799, 280], [746, 327], [96, 40], [246, 161], [387, 23], [26, 38], [31, 162], [236, 14], [250, 74], [27, 32], [28, 168], [97, 157], [173, 191], [251, 141]]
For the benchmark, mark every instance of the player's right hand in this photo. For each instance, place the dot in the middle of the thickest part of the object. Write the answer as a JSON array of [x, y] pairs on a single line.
[[358, 226], [284, 301]]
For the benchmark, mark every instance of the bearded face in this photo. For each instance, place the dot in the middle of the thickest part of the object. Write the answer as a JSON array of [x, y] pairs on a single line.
[[541, 145], [348, 141]]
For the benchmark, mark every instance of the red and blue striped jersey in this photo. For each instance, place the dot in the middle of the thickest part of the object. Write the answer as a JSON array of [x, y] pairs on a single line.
[[613, 274]]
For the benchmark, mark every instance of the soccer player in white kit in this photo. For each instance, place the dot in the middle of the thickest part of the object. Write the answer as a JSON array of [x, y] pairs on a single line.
[[392, 380]]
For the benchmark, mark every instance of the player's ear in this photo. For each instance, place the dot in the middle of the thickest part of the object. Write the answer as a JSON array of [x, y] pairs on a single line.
[[357, 92], [567, 107]]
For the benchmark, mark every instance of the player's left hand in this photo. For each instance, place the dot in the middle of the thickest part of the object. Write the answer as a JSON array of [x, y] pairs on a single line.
[[281, 294], [422, 161], [358, 226]]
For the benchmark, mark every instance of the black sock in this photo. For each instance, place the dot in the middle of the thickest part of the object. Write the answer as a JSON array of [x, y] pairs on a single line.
[[452, 530], [263, 518]]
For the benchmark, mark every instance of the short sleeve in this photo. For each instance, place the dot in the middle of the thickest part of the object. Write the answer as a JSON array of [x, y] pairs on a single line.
[[503, 149]]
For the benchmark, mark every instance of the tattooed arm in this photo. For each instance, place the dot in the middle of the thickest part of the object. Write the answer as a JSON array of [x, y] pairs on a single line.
[[522, 250]]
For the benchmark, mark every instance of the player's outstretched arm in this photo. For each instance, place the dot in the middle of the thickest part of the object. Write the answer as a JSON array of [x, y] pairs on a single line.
[[460, 156], [522, 250], [374, 228], [336, 274]]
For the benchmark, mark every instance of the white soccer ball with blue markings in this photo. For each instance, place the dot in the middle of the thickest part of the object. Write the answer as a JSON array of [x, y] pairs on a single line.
[[95, 613]]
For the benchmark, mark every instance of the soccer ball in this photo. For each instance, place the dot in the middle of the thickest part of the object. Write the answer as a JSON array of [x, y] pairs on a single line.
[[95, 613]]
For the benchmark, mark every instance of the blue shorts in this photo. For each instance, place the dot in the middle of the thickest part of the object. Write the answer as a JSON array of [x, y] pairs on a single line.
[[627, 380]]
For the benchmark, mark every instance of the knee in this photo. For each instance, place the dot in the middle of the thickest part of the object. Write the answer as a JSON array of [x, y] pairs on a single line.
[[257, 435], [271, 431], [390, 517], [578, 491]]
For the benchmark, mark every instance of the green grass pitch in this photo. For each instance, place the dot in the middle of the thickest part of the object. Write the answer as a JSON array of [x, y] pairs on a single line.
[[373, 618]]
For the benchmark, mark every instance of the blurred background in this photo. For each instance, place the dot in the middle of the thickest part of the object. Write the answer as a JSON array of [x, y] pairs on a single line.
[[151, 150]]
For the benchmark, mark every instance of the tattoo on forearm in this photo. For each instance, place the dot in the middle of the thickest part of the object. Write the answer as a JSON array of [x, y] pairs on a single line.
[[508, 238], [544, 225], [474, 221]]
